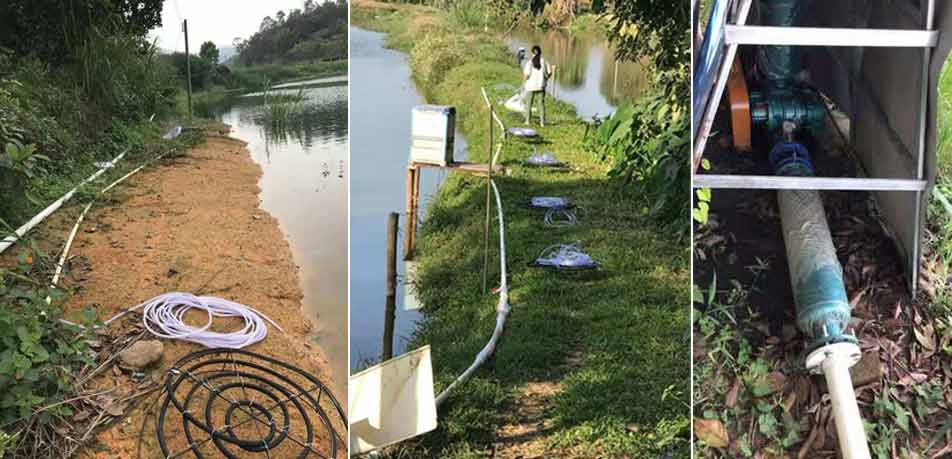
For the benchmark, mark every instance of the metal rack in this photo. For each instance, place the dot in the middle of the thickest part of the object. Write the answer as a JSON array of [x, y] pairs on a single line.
[[730, 36]]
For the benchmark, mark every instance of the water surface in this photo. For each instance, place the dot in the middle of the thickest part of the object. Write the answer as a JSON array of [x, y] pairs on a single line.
[[587, 74], [382, 95], [304, 186]]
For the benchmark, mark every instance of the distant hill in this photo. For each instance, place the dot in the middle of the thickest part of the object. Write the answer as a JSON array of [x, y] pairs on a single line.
[[316, 33]]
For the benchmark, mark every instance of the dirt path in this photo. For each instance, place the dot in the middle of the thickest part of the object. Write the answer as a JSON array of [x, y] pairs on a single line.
[[529, 420], [193, 226]]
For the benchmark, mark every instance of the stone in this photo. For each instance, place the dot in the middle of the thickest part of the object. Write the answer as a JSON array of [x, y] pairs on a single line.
[[141, 354], [868, 370]]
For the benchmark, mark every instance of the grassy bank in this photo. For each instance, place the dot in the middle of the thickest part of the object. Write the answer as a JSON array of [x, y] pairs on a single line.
[[71, 121], [612, 343], [259, 76]]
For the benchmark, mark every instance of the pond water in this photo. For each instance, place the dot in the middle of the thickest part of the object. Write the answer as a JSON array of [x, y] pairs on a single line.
[[304, 186], [587, 74], [382, 97]]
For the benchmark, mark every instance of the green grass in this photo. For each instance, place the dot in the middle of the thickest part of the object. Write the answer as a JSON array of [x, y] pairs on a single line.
[[260, 76], [628, 395]]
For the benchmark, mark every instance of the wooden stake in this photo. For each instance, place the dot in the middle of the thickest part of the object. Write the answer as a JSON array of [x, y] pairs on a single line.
[[393, 222]]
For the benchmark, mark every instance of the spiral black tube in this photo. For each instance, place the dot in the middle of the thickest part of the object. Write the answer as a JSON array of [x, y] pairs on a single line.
[[266, 392]]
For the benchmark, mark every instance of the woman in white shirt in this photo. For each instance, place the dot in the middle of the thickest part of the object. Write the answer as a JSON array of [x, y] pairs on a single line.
[[535, 76]]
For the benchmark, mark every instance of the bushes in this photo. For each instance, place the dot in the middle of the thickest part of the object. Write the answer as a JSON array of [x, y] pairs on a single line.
[[38, 354], [74, 114], [433, 57], [648, 144]]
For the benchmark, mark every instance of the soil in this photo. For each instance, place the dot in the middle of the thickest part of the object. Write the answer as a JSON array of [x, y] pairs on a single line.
[[191, 225], [529, 422]]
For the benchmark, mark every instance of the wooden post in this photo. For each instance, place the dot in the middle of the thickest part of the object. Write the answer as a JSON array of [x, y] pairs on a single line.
[[188, 68], [393, 222], [489, 179], [411, 212]]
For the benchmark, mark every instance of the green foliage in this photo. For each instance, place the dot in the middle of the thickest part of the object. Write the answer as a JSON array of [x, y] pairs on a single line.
[[318, 33], [702, 201], [209, 53], [260, 76], [57, 121], [658, 31], [38, 353], [647, 142], [52, 30], [434, 56], [130, 82]]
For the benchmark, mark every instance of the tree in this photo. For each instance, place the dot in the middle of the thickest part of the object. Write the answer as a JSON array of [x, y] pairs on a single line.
[[53, 29], [209, 52], [660, 31], [280, 17], [266, 24]]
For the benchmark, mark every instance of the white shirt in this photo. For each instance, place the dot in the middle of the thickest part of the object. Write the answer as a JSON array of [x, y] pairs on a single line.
[[536, 77]]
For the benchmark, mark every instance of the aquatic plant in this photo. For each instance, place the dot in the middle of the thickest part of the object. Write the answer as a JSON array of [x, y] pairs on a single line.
[[282, 108]]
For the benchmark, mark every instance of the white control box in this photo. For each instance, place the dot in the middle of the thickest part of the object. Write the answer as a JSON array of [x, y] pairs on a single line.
[[432, 133]]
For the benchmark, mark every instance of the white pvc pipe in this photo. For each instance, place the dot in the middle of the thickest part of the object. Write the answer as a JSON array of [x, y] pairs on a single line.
[[502, 309], [12, 239], [72, 234], [69, 243], [835, 365]]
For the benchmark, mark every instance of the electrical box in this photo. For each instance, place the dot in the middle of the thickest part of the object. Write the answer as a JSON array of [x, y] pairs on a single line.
[[432, 133]]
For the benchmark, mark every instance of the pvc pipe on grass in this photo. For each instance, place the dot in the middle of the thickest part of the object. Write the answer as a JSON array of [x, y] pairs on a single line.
[[502, 310], [36, 220]]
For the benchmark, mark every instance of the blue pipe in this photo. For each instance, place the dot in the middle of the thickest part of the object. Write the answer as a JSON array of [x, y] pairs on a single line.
[[823, 309]]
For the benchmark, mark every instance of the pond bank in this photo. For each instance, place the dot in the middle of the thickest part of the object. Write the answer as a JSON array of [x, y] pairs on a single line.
[[590, 364], [193, 224]]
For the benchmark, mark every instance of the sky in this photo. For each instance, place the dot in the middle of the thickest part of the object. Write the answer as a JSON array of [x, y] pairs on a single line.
[[218, 21]]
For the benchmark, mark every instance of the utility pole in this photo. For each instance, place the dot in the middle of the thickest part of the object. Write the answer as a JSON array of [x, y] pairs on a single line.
[[188, 69]]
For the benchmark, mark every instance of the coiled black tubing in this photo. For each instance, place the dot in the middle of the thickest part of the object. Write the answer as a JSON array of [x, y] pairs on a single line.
[[266, 391]]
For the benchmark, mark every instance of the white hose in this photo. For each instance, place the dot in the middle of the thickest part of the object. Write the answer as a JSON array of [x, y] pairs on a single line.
[[559, 217], [502, 309], [565, 256], [164, 316]]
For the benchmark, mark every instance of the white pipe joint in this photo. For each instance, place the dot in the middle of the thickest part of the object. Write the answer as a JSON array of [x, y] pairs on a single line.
[[834, 361]]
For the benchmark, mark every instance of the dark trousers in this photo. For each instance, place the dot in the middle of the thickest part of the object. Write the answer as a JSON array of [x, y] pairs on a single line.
[[531, 96]]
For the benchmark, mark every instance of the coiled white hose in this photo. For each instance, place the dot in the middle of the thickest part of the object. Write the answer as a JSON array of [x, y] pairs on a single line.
[[565, 256], [559, 217], [164, 316]]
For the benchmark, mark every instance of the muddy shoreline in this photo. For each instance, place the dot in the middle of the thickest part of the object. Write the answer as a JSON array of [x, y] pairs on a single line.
[[193, 225]]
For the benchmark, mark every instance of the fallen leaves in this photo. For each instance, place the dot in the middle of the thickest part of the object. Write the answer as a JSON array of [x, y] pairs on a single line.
[[711, 432]]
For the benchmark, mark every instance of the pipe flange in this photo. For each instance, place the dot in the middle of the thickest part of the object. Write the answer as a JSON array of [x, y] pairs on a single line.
[[849, 350]]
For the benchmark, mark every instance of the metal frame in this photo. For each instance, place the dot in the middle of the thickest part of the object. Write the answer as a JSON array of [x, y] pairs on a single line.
[[824, 36], [707, 121], [741, 34], [772, 182]]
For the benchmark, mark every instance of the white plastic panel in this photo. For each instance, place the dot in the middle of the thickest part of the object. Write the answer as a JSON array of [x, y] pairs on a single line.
[[392, 401]]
